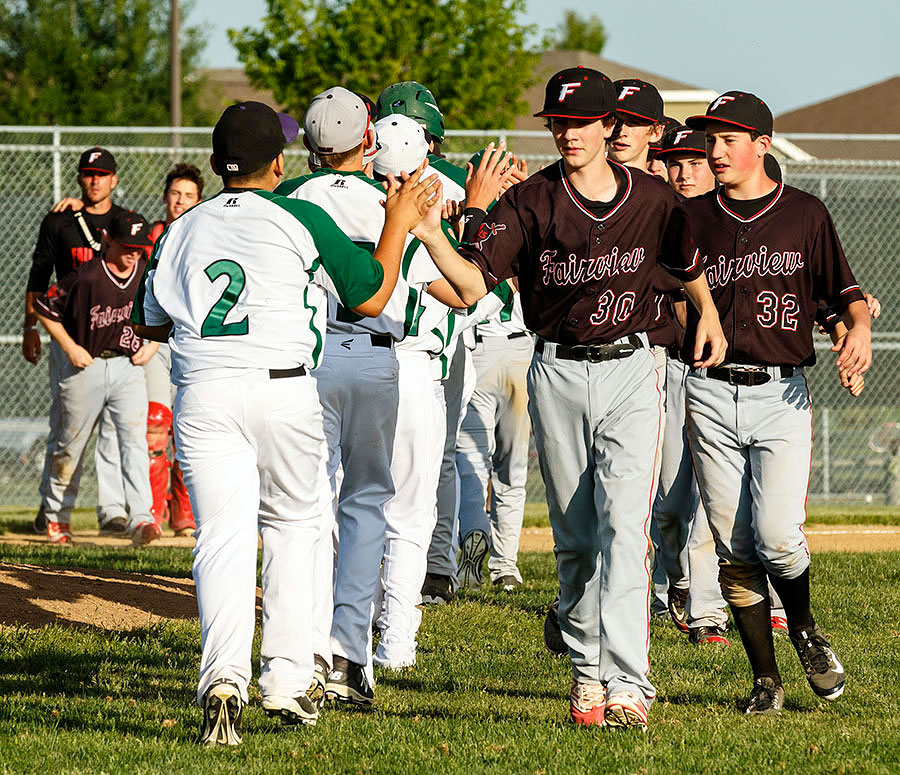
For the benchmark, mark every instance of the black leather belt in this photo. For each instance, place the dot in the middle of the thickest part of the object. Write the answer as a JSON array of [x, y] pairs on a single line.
[[106, 354], [297, 371], [747, 376], [674, 351], [595, 353], [381, 340], [515, 335]]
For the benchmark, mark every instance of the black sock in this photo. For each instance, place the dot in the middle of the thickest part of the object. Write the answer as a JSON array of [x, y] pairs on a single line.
[[754, 623], [794, 594]]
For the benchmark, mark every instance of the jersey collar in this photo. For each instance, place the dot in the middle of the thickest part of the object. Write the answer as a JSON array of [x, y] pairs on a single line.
[[762, 212], [122, 283], [581, 207]]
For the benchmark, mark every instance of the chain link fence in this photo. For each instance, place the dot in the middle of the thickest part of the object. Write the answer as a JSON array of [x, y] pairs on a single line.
[[856, 455]]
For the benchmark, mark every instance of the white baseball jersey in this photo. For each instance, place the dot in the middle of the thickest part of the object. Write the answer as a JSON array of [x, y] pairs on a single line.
[[505, 321], [353, 200], [240, 277]]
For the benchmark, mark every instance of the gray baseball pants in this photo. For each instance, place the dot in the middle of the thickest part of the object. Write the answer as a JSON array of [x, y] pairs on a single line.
[[596, 427]]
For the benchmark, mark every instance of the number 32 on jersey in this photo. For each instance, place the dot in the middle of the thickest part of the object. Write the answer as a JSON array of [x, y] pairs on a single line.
[[775, 310], [214, 323]]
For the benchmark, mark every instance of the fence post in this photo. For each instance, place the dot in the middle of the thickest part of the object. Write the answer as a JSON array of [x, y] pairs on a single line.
[[57, 167], [826, 453]]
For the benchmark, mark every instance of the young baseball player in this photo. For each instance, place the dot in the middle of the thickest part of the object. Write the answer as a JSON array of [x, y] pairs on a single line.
[[583, 238], [236, 287], [87, 315], [183, 189], [358, 385], [770, 253], [68, 239]]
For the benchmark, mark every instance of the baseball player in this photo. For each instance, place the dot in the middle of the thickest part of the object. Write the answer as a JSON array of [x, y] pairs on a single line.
[[655, 164], [66, 241], [358, 386], [87, 315], [183, 189], [770, 253], [583, 238], [237, 287]]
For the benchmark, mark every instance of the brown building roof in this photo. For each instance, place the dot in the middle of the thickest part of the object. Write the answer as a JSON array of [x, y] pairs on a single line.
[[873, 109]]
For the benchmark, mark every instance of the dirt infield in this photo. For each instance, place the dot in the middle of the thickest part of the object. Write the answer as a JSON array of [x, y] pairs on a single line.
[[822, 538]]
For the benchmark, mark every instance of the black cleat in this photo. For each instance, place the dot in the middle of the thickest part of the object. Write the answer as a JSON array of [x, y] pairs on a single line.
[[347, 683], [823, 670], [437, 589], [474, 549], [766, 699], [553, 638]]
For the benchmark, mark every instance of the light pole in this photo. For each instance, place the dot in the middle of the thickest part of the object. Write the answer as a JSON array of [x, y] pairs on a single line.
[[174, 71]]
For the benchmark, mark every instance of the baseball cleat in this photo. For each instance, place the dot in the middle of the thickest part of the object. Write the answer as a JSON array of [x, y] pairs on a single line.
[[678, 607], [474, 549], [553, 639], [779, 625], [316, 691], [292, 710], [437, 589], [222, 711], [708, 635], [145, 533], [587, 704], [766, 699], [824, 672], [117, 527], [625, 710], [59, 533], [40, 521], [507, 583], [347, 683]]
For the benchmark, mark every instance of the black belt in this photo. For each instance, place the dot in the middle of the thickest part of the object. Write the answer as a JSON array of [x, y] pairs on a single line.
[[516, 335], [595, 353], [674, 351], [111, 354], [747, 376], [297, 371], [381, 340]]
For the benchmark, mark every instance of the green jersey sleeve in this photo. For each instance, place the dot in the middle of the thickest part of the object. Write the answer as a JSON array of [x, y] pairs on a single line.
[[355, 274]]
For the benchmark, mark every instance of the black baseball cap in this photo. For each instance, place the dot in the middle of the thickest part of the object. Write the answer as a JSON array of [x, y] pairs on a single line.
[[772, 168], [578, 92], [130, 229], [97, 160], [638, 98], [683, 139], [668, 124], [249, 135], [741, 109]]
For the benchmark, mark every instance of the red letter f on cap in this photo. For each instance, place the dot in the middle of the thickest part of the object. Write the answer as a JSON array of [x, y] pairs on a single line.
[[567, 89]]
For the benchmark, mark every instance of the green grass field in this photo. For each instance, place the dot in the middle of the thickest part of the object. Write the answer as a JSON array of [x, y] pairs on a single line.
[[484, 697]]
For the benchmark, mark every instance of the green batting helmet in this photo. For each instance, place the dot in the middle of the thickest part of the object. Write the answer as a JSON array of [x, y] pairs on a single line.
[[412, 99]]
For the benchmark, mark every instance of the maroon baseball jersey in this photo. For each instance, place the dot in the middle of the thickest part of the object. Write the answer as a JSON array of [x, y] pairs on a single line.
[[63, 244], [767, 272], [94, 306], [584, 278]]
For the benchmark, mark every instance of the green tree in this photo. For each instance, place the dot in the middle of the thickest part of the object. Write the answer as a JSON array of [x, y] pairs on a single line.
[[84, 62], [471, 53], [578, 33]]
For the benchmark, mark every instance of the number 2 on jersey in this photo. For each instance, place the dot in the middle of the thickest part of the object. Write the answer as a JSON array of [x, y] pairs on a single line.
[[214, 323]]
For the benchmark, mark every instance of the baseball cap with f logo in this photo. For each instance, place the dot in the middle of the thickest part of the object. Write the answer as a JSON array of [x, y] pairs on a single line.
[[578, 92], [740, 109]]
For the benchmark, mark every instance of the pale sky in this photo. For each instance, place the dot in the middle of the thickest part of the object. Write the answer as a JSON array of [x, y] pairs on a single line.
[[789, 52]]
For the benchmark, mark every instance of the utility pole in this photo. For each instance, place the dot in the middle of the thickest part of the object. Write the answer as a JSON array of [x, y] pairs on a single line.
[[174, 71]]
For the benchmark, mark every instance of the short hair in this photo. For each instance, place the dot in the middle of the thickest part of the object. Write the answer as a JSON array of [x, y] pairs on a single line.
[[182, 171], [334, 160]]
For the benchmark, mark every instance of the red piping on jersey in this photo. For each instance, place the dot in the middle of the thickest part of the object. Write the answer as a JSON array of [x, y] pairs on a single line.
[[752, 217], [118, 281], [581, 207]]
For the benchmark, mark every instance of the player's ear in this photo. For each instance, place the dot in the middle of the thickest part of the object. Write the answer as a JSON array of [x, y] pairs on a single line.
[[763, 143], [370, 140], [212, 164], [278, 165], [114, 181], [656, 132]]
